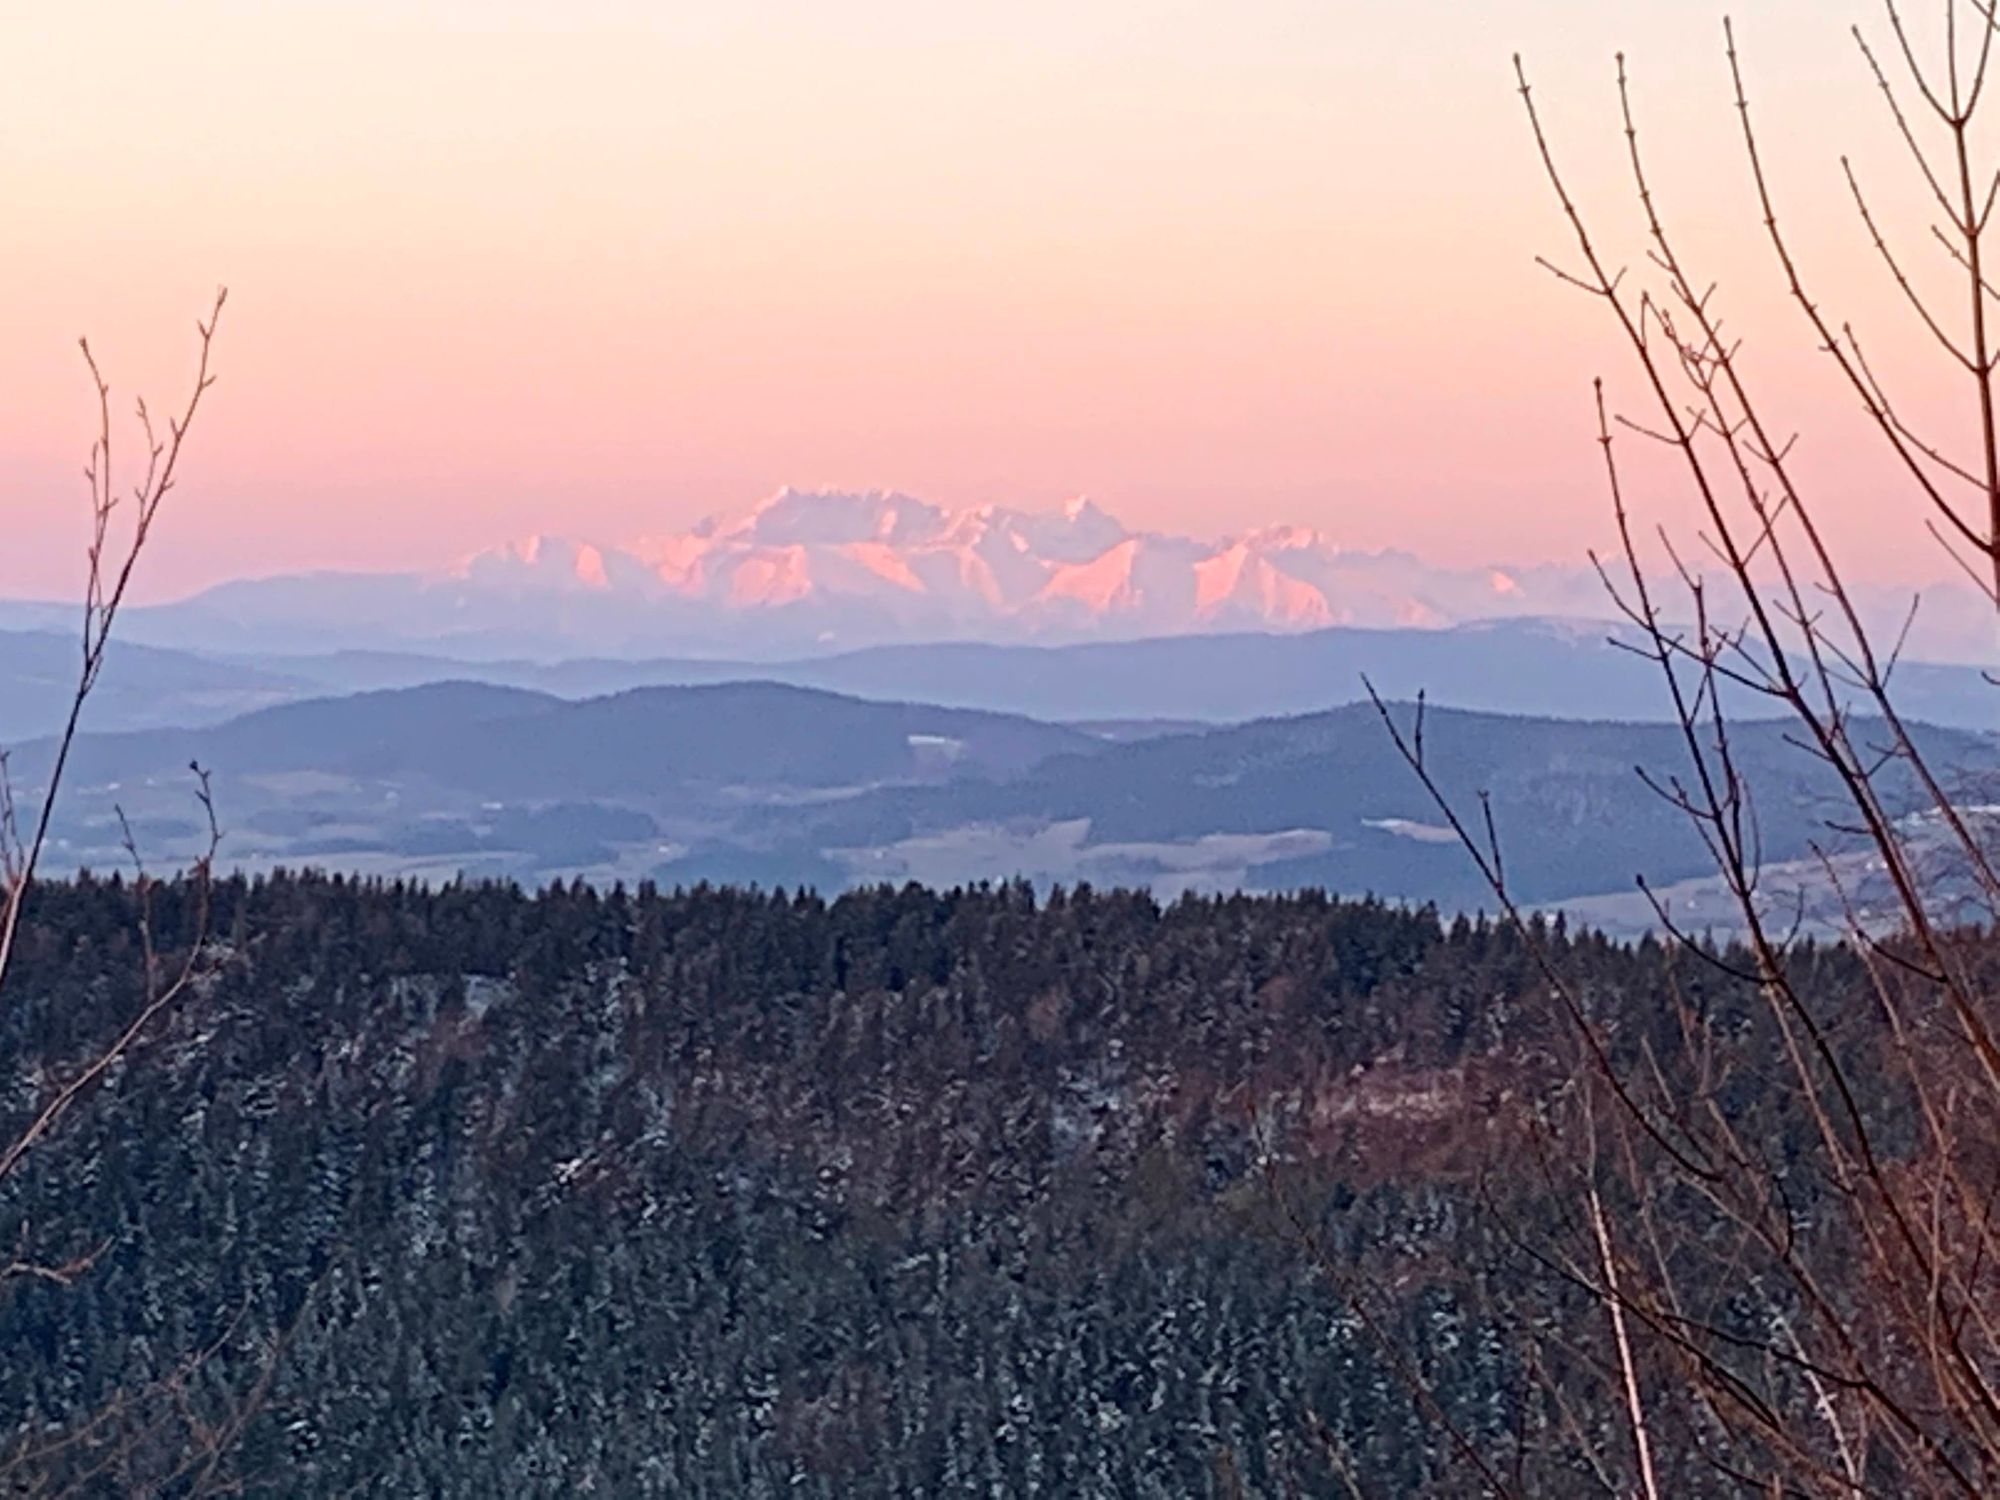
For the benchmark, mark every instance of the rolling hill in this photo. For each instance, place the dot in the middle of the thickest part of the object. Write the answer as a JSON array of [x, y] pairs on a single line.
[[775, 784], [1550, 668]]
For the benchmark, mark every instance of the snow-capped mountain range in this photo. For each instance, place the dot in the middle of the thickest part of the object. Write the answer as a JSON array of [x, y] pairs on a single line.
[[1074, 570], [832, 568], [815, 571]]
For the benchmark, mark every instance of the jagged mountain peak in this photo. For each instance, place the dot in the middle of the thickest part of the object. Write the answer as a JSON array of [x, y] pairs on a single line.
[[840, 517], [817, 568]]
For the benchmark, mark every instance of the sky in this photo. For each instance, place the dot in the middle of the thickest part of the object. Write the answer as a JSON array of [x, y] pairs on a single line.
[[604, 267]]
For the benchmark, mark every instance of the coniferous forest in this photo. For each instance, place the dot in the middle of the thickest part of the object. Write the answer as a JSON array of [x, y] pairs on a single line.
[[472, 1191]]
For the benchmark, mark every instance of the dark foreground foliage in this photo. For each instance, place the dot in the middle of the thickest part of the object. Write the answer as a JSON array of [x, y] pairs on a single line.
[[473, 1192]]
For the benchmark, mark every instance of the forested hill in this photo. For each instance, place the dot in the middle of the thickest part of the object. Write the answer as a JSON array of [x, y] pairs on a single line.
[[761, 783], [732, 1194]]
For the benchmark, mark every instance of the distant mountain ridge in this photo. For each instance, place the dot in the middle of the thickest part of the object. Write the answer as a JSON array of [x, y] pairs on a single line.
[[1077, 568], [826, 570], [1551, 668]]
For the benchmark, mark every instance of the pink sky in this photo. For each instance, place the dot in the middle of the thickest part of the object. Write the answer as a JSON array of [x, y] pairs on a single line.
[[607, 266]]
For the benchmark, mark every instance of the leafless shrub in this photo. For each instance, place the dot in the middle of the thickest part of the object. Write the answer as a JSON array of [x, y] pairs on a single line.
[[1765, 1257], [163, 1433]]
